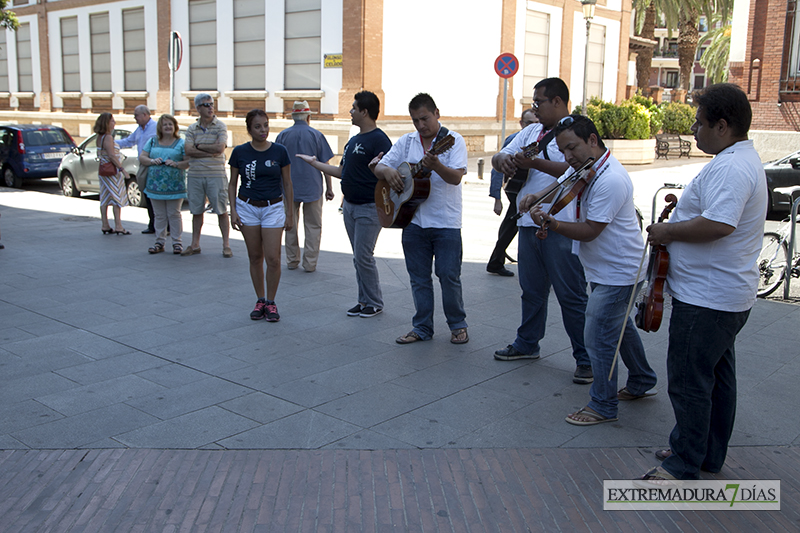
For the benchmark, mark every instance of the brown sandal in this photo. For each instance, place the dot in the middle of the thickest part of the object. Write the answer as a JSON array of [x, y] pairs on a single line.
[[156, 249], [456, 336], [408, 338]]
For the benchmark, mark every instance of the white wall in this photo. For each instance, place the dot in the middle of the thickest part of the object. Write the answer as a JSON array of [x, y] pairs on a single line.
[[445, 48], [610, 63], [739, 23]]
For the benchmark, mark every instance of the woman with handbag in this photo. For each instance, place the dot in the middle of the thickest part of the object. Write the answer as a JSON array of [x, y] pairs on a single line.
[[112, 175], [163, 157]]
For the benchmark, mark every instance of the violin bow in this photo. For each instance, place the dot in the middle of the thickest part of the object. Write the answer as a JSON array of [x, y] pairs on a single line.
[[634, 292]]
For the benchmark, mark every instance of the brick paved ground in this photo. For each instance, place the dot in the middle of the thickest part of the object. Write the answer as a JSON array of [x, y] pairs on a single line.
[[519, 490]]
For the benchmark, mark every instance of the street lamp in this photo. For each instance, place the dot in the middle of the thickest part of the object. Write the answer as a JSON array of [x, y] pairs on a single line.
[[588, 14]]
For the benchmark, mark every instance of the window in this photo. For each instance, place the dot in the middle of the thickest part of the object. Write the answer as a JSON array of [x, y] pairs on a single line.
[[699, 53], [133, 46], [3, 62], [671, 79], [203, 45], [249, 57], [597, 55], [537, 38], [24, 58], [70, 60], [699, 81], [303, 44], [101, 52]]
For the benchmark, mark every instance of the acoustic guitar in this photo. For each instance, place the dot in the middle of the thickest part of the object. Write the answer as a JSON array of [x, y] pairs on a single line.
[[514, 183], [396, 209]]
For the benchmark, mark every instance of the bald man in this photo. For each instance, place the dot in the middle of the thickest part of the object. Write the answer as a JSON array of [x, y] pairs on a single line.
[[140, 136]]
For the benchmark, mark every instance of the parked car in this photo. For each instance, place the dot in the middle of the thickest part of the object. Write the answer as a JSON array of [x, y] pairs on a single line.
[[32, 151], [784, 172], [78, 170]]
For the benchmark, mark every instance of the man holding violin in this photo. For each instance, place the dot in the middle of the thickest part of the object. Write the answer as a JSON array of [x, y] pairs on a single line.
[[550, 261], [714, 239], [609, 244]]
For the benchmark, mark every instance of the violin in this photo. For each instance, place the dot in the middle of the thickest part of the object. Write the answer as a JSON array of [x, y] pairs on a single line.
[[650, 310], [571, 187]]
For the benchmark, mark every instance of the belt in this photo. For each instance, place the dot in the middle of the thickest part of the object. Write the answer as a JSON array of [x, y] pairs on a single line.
[[259, 203]]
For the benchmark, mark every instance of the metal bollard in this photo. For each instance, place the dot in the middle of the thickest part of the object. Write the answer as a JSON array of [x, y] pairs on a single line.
[[480, 168]]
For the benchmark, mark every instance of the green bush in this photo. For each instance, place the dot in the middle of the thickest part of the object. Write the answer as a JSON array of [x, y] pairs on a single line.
[[677, 118], [637, 118]]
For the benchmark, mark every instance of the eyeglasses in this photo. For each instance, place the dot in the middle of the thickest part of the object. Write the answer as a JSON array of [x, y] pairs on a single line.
[[567, 121], [207, 104], [537, 103]]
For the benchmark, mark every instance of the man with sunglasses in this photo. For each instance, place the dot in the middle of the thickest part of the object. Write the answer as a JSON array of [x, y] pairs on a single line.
[[606, 234], [205, 145], [543, 263]]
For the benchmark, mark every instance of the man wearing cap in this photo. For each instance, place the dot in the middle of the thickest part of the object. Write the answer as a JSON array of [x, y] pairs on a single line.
[[205, 145], [139, 137], [301, 138]]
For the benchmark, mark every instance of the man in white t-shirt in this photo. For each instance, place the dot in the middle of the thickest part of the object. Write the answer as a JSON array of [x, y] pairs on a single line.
[[545, 262], [610, 246], [433, 238], [714, 238]]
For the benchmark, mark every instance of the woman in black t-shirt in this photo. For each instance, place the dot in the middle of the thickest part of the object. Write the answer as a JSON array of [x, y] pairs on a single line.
[[257, 209]]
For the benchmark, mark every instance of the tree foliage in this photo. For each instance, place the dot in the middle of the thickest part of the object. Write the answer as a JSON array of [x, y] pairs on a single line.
[[715, 58], [8, 19]]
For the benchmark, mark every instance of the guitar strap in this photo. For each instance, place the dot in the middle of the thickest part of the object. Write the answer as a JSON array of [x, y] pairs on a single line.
[[544, 141]]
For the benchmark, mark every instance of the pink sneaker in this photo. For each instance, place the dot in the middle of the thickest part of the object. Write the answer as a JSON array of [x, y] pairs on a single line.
[[272, 313]]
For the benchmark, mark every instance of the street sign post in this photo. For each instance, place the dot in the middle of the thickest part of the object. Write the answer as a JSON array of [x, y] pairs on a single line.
[[174, 59], [506, 65]]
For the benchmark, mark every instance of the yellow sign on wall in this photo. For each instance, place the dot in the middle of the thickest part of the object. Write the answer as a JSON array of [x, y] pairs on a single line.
[[333, 60]]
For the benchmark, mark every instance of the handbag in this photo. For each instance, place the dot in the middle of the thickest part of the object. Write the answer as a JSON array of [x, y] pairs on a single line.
[[107, 169]]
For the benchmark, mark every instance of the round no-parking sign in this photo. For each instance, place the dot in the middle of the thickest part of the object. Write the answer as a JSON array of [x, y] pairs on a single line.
[[506, 65]]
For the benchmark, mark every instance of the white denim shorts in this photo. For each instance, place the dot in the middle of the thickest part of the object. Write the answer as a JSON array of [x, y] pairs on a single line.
[[272, 216]]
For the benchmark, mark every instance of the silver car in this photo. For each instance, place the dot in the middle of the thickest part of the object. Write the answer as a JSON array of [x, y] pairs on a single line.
[[78, 170]]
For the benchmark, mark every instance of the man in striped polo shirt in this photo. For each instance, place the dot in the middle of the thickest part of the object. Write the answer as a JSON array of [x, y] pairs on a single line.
[[205, 145]]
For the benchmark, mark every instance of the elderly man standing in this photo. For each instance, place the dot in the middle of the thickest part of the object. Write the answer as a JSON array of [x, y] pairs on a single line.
[[140, 136], [205, 147], [301, 138]]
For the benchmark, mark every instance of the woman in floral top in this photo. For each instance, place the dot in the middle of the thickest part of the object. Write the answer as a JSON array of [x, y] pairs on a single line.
[[163, 156]]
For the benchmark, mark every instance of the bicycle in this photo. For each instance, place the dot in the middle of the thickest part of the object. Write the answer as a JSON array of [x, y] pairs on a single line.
[[773, 259]]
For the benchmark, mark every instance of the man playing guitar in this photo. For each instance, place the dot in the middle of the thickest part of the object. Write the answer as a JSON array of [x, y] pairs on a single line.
[[435, 229], [549, 261]]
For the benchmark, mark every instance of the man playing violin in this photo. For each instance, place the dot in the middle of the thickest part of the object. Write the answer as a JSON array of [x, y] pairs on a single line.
[[543, 263], [433, 238], [609, 245], [714, 238]]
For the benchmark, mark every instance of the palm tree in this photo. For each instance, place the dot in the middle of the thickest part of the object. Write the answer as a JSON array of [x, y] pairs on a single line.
[[715, 58], [647, 11]]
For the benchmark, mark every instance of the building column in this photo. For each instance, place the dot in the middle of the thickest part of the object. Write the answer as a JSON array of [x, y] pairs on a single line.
[[507, 37], [163, 10], [362, 51], [45, 95]]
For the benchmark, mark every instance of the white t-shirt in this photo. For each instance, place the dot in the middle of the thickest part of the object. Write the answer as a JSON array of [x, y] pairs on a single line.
[[613, 257], [442, 209], [537, 180], [722, 274]]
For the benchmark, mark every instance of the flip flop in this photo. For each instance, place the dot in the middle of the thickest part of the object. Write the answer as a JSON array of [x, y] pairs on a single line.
[[408, 338], [624, 395], [594, 418], [456, 333]]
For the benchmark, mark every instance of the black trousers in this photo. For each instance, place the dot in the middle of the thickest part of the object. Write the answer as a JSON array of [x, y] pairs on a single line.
[[506, 234]]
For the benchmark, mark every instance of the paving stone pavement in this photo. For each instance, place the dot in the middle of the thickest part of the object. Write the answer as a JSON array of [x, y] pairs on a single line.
[[132, 385]]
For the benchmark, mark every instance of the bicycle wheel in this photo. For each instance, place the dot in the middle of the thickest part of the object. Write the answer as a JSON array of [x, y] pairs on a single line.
[[771, 264]]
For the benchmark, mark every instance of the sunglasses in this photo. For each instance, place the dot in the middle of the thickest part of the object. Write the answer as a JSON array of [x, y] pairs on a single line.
[[207, 104]]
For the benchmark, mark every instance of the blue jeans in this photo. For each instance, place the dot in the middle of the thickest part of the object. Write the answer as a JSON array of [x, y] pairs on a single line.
[[363, 227], [604, 314], [420, 247], [542, 263], [701, 368]]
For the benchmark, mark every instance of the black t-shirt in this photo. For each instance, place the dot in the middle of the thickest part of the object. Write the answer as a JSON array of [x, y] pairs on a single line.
[[358, 181], [260, 172]]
